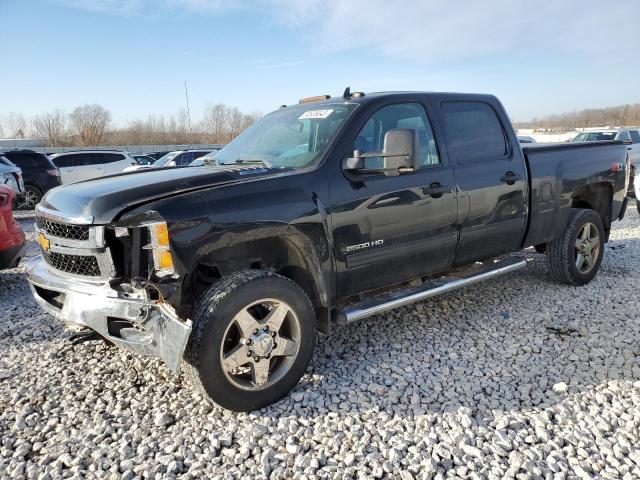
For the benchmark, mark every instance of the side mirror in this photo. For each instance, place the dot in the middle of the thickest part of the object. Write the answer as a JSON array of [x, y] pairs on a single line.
[[399, 154]]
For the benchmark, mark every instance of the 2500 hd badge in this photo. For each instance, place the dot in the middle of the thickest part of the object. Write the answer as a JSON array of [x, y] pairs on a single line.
[[360, 246]]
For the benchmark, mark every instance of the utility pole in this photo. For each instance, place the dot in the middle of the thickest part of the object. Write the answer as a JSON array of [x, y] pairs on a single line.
[[186, 96]]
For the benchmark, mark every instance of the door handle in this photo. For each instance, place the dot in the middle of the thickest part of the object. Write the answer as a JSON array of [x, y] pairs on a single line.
[[436, 190], [510, 178]]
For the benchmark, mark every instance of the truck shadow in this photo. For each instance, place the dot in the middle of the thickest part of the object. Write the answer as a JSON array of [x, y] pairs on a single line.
[[501, 345]]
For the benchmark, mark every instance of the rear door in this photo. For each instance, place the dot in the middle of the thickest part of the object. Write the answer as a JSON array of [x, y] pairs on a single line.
[[490, 177], [67, 165], [116, 163], [90, 165], [635, 147]]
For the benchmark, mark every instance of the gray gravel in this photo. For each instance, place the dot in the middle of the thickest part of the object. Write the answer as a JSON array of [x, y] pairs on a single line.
[[514, 378]]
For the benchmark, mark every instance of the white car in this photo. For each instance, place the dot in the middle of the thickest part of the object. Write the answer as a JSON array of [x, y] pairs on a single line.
[[526, 139], [87, 164], [627, 135]]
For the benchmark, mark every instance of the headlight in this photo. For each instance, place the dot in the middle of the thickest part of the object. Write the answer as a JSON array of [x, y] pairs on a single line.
[[159, 246]]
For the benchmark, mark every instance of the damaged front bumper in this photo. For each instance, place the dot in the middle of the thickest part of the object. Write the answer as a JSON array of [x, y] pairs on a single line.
[[146, 327]]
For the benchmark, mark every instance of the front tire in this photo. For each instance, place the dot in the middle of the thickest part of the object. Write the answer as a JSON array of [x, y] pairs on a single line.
[[252, 340], [575, 257]]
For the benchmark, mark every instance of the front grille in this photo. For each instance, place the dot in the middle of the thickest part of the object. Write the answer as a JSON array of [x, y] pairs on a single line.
[[61, 230], [74, 264]]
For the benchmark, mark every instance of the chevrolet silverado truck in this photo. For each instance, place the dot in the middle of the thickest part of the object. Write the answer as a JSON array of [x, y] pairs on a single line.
[[321, 213]]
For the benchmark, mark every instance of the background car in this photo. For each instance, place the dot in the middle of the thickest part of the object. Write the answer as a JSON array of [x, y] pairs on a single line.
[[178, 158], [144, 159], [11, 176], [12, 239], [87, 164], [38, 172], [624, 134], [524, 139], [156, 155], [208, 158]]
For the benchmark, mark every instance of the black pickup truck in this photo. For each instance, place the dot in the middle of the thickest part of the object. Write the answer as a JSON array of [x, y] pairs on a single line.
[[321, 213]]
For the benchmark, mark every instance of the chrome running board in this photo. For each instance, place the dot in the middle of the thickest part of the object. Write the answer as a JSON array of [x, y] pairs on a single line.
[[428, 289]]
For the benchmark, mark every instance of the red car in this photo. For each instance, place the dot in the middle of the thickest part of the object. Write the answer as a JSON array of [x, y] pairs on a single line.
[[12, 240]]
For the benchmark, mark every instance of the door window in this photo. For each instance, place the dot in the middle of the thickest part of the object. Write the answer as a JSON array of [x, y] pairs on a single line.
[[624, 136], [398, 115], [65, 161], [111, 157], [473, 132], [88, 159], [184, 159], [635, 136]]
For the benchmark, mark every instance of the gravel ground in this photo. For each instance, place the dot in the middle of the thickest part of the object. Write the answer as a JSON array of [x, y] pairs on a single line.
[[516, 377]]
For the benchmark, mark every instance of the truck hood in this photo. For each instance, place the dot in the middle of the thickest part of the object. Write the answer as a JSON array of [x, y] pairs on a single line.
[[100, 200]]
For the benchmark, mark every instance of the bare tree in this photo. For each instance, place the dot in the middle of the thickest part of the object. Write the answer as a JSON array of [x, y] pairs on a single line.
[[90, 122], [214, 122], [15, 125], [51, 127]]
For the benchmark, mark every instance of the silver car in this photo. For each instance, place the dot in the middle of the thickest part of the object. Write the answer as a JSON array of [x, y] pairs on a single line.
[[11, 176]]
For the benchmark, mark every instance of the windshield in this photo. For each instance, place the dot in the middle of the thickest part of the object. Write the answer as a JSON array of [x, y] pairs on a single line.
[[166, 158], [595, 136], [288, 138]]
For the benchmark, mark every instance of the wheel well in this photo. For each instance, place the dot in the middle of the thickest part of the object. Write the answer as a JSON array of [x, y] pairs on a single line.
[[597, 197], [274, 254]]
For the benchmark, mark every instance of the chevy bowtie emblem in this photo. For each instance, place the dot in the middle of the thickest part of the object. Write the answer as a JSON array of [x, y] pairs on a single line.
[[43, 241]]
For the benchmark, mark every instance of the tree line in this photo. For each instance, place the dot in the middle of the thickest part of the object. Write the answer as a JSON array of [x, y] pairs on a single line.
[[91, 125], [620, 116]]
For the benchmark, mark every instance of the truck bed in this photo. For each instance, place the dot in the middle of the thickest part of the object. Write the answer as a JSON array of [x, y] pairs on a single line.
[[558, 179]]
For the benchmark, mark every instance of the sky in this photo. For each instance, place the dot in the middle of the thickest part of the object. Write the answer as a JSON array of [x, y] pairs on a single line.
[[539, 57]]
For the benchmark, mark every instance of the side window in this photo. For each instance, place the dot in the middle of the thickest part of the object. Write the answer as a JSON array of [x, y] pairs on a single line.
[[624, 136], [22, 160], [635, 136], [111, 157], [399, 115], [473, 132], [184, 159], [88, 159], [65, 161]]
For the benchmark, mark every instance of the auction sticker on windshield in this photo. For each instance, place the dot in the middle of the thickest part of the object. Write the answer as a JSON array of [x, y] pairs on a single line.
[[315, 114]]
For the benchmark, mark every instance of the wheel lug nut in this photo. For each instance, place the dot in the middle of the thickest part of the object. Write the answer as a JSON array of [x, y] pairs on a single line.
[[249, 342], [266, 329], [255, 332], [273, 334], [249, 353]]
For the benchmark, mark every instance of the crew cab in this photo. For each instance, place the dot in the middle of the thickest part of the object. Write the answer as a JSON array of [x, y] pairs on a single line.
[[321, 213]]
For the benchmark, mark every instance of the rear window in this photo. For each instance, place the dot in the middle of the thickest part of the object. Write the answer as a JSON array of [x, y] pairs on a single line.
[[29, 159], [473, 132]]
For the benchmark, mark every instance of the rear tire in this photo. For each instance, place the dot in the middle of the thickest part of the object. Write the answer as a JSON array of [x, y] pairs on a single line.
[[32, 196], [252, 340], [575, 257]]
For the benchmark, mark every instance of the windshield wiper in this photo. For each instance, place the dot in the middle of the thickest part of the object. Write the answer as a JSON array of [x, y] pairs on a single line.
[[253, 161]]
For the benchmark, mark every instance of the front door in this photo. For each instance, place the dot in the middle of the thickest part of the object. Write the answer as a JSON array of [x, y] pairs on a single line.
[[389, 229], [491, 180]]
